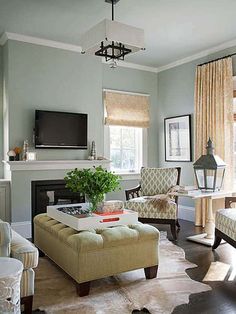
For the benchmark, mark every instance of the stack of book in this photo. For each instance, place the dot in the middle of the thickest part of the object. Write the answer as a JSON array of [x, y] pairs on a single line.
[[188, 190], [110, 208]]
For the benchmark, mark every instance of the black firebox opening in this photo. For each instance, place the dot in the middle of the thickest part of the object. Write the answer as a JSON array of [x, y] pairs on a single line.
[[51, 192]]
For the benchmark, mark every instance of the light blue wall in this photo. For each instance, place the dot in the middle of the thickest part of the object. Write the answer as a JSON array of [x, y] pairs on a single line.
[[176, 97], [1, 110], [48, 78], [52, 79]]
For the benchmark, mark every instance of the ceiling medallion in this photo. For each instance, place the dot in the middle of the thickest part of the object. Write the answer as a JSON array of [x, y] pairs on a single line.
[[112, 40]]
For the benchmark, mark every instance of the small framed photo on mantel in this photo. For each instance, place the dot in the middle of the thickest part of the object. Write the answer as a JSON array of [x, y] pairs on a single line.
[[178, 138]]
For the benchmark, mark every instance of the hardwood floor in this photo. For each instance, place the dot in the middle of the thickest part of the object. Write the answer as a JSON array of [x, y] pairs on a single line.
[[222, 298]]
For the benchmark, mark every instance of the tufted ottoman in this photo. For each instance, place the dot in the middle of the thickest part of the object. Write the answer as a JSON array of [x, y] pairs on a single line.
[[93, 254], [225, 227]]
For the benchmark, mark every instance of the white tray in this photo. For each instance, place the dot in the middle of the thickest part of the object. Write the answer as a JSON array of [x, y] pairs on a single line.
[[95, 221]]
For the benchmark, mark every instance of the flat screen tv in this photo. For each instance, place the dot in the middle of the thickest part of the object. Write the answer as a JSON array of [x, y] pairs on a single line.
[[60, 129]]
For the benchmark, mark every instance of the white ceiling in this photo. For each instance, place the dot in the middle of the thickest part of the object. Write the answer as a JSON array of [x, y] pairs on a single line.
[[174, 29]]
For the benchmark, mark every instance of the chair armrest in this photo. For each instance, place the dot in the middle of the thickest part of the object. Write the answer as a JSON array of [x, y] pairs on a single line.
[[5, 239], [132, 193], [229, 200], [24, 251]]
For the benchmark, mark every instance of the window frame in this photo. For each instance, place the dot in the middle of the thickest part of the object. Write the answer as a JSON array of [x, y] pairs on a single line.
[[143, 151]]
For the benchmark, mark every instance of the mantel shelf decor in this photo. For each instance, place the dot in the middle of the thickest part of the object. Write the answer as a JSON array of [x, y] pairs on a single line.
[[40, 165]]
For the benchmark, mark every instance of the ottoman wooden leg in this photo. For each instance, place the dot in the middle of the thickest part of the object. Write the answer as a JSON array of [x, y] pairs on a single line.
[[151, 272], [83, 288], [27, 302]]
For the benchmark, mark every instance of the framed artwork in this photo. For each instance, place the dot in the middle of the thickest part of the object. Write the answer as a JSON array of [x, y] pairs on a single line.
[[178, 138]]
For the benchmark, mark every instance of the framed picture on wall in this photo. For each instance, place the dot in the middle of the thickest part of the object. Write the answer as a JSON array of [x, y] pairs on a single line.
[[178, 138]]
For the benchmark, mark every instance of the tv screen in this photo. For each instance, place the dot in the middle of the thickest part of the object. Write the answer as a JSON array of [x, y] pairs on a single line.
[[60, 129]]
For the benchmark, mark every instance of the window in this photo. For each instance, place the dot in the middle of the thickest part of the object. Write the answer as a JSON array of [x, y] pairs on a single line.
[[126, 149], [126, 122]]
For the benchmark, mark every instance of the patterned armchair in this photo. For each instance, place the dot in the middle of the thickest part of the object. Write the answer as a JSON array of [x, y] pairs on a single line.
[[225, 223], [155, 181], [14, 245]]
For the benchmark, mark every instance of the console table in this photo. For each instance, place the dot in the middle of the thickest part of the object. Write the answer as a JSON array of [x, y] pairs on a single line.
[[206, 238]]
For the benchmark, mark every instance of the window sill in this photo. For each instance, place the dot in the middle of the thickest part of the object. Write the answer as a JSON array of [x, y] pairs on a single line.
[[129, 176]]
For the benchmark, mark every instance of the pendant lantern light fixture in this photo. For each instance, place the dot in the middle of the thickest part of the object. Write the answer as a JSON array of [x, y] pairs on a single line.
[[209, 170], [112, 40]]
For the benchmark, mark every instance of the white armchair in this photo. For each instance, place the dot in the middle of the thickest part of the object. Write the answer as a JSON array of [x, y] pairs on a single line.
[[14, 245]]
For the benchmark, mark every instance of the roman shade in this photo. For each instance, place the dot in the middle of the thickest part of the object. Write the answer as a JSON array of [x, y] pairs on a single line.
[[126, 109]]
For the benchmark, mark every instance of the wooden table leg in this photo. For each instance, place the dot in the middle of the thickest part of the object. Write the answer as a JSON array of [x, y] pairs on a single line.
[[206, 238], [210, 224]]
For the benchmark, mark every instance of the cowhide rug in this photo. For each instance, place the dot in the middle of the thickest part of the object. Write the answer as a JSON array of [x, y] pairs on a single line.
[[55, 291]]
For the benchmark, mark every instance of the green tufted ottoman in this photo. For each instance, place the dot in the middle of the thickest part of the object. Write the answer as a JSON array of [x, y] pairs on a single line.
[[93, 254]]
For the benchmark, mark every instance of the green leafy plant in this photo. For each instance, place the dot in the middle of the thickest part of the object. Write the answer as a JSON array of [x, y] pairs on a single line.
[[93, 182]]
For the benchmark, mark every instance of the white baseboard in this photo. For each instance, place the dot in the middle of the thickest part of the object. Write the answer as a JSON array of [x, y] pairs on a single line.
[[186, 213], [23, 228]]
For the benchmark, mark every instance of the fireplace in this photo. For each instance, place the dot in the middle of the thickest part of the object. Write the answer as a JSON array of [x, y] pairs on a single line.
[[51, 192]]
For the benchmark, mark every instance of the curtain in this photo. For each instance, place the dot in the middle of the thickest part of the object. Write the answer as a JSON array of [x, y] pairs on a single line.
[[126, 109], [213, 117]]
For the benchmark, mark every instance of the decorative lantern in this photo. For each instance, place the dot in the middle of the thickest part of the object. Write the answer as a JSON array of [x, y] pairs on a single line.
[[209, 170]]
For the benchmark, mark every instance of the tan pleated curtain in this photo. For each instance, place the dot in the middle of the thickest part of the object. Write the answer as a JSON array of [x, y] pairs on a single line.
[[126, 109], [213, 118]]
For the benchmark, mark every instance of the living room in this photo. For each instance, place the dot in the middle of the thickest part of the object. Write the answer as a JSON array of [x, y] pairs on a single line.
[[131, 108]]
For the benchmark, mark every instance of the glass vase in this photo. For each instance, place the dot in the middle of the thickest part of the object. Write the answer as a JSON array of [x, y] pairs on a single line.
[[94, 202]]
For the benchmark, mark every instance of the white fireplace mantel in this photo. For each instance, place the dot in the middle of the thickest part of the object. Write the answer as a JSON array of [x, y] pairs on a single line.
[[53, 164]]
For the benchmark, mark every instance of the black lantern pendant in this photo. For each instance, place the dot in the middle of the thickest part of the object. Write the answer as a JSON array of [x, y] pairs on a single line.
[[209, 170]]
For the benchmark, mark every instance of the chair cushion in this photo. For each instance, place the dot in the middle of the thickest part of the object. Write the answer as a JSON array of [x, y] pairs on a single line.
[[24, 251], [226, 222], [145, 208], [158, 180], [92, 240]]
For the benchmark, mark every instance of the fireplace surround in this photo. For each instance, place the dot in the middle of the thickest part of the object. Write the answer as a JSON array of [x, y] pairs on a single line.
[[22, 173], [51, 192]]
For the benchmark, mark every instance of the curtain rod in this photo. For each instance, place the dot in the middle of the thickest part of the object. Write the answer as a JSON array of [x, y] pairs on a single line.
[[231, 55]]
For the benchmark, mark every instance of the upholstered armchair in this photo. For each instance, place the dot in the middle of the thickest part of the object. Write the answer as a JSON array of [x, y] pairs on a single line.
[[14, 245], [225, 223], [149, 200]]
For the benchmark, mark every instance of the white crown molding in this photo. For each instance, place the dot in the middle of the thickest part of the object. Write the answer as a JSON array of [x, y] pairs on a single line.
[[60, 45], [41, 42], [199, 55], [75, 48]]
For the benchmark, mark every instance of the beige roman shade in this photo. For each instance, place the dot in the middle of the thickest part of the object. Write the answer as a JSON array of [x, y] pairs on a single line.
[[126, 109]]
